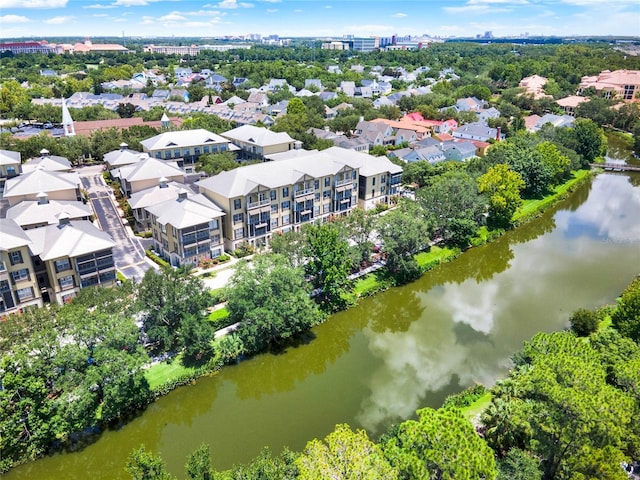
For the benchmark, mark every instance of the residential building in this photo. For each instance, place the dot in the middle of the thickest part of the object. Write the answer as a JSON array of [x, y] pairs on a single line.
[[122, 157], [257, 142], [52, 163], [459, 151], [364, 44], [33, 214], [477, 131], [186, 229], [569, 104], [146, 174], [29, 47], [10, 166], [140, 200], [186, 146], [619, 84], [534, 85], [298, 187], [58, 186], [555, 120], [469, 104], [70, 256], [18, 286]]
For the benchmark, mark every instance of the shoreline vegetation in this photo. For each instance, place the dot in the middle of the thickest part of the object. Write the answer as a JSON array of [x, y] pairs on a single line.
[[164, 376]]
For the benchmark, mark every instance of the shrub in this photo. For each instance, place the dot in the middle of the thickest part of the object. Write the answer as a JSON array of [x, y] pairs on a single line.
[[156, 258], [465, 398], [584, 322]]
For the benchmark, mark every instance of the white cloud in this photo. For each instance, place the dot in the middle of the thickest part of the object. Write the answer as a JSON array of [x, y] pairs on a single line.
[[399, 15], [33, 3], [58, 20], [328, 6], [477, 9], [99, 6], [172, 17], [231, 4], [502, 2], [131, 3], [272, 1], [298, 11], [14, 19], [272, 10]]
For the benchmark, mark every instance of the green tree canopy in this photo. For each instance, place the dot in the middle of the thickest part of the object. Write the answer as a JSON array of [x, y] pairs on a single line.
[[502, 186], [271, 300], [440, 445], [344, 455]]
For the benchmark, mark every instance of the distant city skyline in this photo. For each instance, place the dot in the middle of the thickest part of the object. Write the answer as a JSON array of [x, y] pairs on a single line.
[[311, 18]]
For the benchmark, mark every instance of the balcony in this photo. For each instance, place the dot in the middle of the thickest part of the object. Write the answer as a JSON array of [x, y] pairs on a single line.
[[340, 183], [258, 204], [304, 193]]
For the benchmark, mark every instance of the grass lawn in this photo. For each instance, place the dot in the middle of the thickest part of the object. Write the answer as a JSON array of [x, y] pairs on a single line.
[[365, 284], [530, 206], [163, 372], [477, 407], [435, 254], [218, 315]]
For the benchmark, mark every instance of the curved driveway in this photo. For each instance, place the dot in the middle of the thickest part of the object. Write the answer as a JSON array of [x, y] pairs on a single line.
[[128, 252]]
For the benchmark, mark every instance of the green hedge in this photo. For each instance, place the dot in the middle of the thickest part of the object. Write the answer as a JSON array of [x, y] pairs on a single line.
[[156, 258]]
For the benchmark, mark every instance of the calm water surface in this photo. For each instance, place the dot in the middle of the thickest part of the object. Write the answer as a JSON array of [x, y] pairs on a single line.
[[401, 350]]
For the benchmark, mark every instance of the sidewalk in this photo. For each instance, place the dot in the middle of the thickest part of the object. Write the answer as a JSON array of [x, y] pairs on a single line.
[[223, 273]]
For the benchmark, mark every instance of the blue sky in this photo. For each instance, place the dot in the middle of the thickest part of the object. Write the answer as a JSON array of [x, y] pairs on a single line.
[[46, 18]]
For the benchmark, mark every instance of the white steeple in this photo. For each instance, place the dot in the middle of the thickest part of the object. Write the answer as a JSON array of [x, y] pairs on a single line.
[[67, 121]]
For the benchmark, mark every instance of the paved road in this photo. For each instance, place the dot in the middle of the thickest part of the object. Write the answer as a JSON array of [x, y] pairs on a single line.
[[128, 252]]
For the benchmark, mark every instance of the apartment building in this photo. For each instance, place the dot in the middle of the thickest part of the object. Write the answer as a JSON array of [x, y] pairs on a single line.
[[10, 166], [257, 142], [186, 229], [146, 174], [42, 212], [70, 256], [186, 146], [58, 186], [619, 84], [18, 287], [298, 187]]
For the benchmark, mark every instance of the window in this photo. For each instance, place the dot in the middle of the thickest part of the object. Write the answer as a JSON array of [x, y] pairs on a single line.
[[238, 233], [326, 208], [238, 217], [316, 210], [20, 275], [158, 154], [285, 192], [215, 239], [317, 196], [167, 154], [327, 181], [25, 293], [66, 282], [176, 153], [272, 194], [205, 149], [15, 257], [373, 181], [274, 208], [274, 222], [285, 219], [383, 179], [316, 184], [286, 205], [326, 194], [213, 224], [237, 204], [187, 151], [2, 266], [353, 174]]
